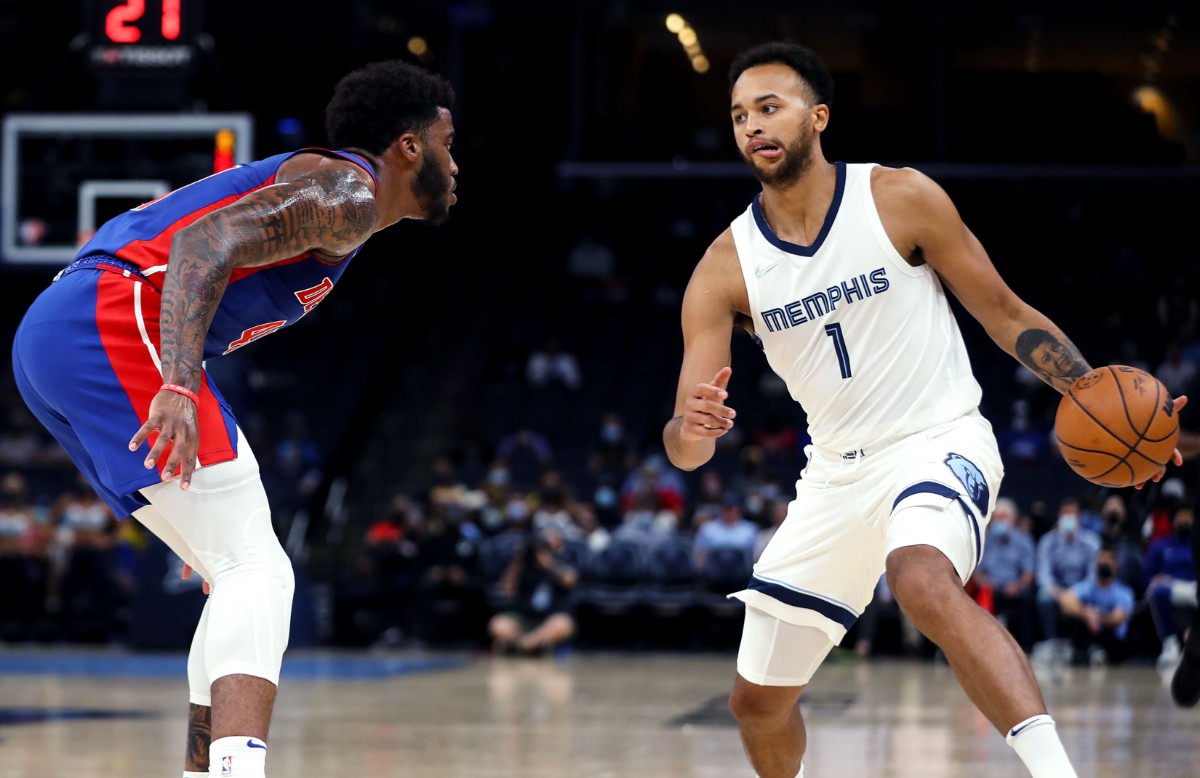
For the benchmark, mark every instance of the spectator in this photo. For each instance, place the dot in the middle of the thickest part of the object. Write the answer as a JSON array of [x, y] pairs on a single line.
[[728, 529], [1177, 371], [83, 566], [884, 608], [613, 454], [593, 534], [550, 505], [1065, 556], [647, 519], [296, 470], [1171, 584], [524, 453], [552, 365], [541, 616], [655, 477], [1120, 533], [390, 571], [776, 511], [451, 597], [24, 564], [1096, 613], [1008, 569]]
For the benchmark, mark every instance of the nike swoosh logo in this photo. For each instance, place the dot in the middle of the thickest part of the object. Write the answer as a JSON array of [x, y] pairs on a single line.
[[252, 744], [762, 270], [1018, 730]]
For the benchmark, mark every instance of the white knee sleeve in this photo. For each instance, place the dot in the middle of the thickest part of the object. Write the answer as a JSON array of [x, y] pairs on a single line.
[[199, 686], [251, 617], [225, 522]]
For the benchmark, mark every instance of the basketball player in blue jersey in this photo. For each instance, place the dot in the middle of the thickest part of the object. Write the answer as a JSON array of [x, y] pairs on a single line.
[[111, 358], [839, 272]]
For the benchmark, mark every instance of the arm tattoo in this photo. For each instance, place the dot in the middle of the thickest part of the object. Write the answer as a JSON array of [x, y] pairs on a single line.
[[331, 209], [1052, 357], [199, 738]]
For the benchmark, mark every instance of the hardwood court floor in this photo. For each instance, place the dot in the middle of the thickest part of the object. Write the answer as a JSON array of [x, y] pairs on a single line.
[[74, 714]]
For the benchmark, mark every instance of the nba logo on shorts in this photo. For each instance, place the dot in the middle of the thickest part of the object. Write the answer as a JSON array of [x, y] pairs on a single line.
[[227, 765]]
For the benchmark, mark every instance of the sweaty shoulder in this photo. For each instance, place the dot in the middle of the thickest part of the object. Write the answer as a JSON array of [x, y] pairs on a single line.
[[327, 169]]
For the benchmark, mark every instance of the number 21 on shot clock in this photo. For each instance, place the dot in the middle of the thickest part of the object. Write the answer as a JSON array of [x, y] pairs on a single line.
[[143, 34]]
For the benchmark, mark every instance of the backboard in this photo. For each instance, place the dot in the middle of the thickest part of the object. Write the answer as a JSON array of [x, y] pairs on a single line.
[[61, 175]]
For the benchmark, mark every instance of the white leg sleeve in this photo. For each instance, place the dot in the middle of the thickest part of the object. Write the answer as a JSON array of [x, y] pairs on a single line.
[[224, 522], [199, 684]]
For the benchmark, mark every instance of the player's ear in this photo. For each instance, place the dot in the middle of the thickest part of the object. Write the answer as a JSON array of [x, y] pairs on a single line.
[[820, 117], [408, 145]]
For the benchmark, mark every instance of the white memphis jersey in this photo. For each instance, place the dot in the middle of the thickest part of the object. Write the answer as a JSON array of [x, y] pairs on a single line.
[[867, 344]]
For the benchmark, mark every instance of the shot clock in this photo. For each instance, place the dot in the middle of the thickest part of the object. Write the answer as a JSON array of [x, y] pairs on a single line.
[[143, 35]]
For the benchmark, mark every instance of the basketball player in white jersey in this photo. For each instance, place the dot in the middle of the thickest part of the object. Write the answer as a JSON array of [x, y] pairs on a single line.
[[840, 272]]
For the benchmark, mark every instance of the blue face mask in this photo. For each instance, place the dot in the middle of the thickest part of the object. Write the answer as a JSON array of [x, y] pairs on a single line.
[[1068, 523], [1000, 529]]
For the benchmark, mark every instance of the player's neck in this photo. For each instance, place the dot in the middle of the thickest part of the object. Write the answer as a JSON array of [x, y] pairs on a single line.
[[802, 203]]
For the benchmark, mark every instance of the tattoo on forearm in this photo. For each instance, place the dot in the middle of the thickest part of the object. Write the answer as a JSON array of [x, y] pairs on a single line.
[[333, 209], [1052, 357], [199, 737]]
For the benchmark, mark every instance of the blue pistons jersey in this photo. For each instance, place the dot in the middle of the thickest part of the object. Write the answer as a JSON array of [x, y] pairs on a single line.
[[86, 354]]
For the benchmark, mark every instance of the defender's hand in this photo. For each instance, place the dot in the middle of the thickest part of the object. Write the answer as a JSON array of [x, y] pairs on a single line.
[[173, 417], [705, 414]]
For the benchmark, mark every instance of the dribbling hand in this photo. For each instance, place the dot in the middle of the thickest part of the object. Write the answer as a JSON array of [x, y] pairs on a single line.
[[1176, 456], [705, 414], [173, 417]]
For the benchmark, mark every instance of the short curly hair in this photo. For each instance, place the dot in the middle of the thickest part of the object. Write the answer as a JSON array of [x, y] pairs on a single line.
[[377, 103], [804, 61]]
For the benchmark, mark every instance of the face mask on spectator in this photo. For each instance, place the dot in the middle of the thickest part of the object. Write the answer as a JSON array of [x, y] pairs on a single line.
[[1000, 529], [1068, 523], [1104, 571]]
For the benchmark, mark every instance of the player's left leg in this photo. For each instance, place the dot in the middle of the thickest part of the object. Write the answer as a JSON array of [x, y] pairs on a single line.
[[986, 659], [944, 496], [224, 520], [776, 660]]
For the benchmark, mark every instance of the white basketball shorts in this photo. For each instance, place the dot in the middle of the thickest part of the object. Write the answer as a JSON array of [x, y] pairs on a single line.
[[821, 567]]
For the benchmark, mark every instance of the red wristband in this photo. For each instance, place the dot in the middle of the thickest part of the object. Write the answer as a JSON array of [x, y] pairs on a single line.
[[177, 389]]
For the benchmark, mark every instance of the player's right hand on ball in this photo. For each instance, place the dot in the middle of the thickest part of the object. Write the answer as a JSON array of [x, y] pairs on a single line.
[[705, 414], [173, 417]]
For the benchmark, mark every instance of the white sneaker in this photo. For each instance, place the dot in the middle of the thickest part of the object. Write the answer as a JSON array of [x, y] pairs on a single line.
[[1170, 655]]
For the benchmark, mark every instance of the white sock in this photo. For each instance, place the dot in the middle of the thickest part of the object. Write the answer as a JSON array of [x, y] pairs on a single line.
[[237, 757], [190, 774], [1036, 741]]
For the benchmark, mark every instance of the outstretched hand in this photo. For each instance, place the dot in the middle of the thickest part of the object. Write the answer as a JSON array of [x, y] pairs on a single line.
[[174, 417], [705, 414], [1176, 456]]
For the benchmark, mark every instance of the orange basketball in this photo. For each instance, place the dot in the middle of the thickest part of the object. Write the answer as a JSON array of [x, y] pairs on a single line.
[[1116, 426]]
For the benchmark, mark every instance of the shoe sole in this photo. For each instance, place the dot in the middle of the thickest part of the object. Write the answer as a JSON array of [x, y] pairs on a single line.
[[1185, 684]]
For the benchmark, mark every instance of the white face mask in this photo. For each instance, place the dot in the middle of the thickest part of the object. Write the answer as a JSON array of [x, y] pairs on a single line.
[[1068, 523]]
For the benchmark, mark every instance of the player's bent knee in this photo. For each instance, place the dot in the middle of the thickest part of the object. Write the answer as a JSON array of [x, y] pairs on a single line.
[[753, 704], [249, 622]]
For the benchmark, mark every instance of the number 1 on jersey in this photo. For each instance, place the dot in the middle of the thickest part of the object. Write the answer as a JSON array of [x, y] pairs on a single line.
[[839, 345]]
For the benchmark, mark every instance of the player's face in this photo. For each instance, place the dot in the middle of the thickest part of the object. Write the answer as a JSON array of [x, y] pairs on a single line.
[[773, 122], [434, 182], [1052, 359]]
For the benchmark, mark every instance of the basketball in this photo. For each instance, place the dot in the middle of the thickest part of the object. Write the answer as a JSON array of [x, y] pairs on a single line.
[[1116, 426]]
